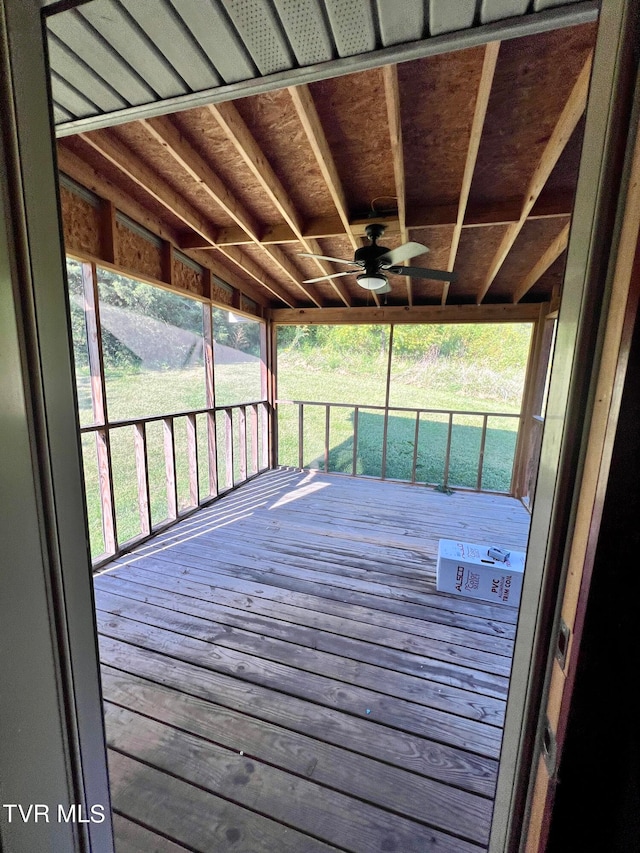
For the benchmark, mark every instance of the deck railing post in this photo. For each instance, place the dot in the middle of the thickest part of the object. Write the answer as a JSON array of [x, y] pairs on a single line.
[[416, 434], [142, 472], [107, 497], [253, 429], [264, 412], [300, 435], [242, 442], [354, 468], [327, 426], [447, 455], [387, 393], [228, 447], [170, 468], [483, 439], [212, 448], [192, 453]]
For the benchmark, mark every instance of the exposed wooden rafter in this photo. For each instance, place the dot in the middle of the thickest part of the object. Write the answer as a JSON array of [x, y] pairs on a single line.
[[134, 168], [566, 124], [476, 145], [551, 254], [308, 115], [85, 175], [392, 97], [479, 114], [167, 134], [436, 216], [306, 109], [237, 132]]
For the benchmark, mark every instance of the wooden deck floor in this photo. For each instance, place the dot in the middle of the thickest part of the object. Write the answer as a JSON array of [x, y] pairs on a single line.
[[280, 674]]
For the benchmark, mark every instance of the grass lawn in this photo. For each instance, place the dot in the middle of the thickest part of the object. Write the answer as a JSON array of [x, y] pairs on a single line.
[[445, 384]]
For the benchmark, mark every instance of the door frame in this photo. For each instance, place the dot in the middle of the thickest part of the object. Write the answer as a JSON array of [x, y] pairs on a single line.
[[52, 744], [57, 750], [581, 370]]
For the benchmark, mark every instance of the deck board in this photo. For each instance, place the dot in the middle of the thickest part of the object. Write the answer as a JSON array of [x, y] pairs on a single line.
[[280, 673]]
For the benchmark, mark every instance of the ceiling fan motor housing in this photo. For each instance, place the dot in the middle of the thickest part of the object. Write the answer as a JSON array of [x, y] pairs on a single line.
[[368, 256]]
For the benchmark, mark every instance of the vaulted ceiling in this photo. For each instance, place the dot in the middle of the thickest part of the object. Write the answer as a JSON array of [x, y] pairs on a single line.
[[473, 153]]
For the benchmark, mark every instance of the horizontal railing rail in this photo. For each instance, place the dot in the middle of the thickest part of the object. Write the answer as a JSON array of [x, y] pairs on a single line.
[[236, 446], [181, 414], [412, 448]]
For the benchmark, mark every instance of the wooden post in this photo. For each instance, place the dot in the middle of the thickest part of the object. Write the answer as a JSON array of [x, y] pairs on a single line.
[[264, 426], [300, 436], [210, 394], [415, 448], [269, 377], [481, 454], [99, 405], [327, 425], [142, 472], [192, 452], [170, 469], [212, 448], [242, 441], [447, 456], [108, 232], [253, 414], [534, 370], [354, 469], [228, 447], [167, 262], [385, 428]]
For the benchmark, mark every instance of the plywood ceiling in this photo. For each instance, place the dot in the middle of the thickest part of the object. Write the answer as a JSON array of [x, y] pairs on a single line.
[[474, 153]]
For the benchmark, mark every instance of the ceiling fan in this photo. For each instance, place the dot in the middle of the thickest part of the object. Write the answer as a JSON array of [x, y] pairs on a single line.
[[377, 260]]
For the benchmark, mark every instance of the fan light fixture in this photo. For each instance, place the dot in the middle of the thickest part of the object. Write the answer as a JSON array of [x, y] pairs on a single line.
[[372, 282], [374, 260]]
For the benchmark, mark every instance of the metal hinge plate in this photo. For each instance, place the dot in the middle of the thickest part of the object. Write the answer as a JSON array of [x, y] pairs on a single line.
[[562, 643], [549, 747]]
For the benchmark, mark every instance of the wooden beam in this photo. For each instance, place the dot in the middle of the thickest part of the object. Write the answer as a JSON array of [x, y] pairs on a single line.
[[108, 238], [82, 173], [134, 168], [566, 124], [116, 153], [551, 254], [167, 134], [435, 216], [503, 313], [76, 169], [237, 132], [308, 115], [479, 114], [392, 98], [167, 262]]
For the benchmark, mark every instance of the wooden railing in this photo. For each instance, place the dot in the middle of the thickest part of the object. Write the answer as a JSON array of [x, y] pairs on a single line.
[[233, 457], [415, 453]]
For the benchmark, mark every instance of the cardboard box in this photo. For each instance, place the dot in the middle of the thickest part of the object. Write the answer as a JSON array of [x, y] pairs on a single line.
[[466, 569]]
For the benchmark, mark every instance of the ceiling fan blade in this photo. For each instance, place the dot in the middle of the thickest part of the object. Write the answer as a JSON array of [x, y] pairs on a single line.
[[324, 277], [403, 253], [422, 272], [328, 258]]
